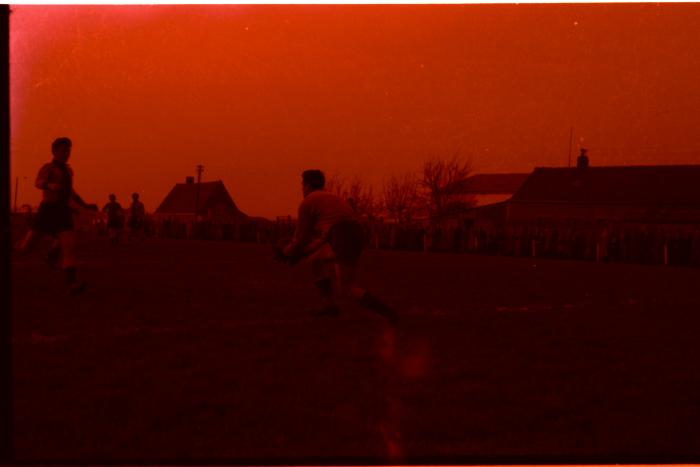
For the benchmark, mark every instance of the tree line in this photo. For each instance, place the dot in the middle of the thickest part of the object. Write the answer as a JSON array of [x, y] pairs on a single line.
[[432, 191]]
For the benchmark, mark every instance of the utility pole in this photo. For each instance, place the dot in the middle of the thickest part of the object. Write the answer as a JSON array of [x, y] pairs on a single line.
[[200, 169], [16, 187], [571, 142], [7, 412]]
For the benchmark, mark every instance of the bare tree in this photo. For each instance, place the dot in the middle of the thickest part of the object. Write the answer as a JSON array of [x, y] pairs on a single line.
[[358, 193], [439, 180], [400, 197], [335, 184]]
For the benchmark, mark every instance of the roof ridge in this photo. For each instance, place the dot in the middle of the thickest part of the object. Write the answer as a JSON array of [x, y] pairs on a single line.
[[599, 167], [194, 183]]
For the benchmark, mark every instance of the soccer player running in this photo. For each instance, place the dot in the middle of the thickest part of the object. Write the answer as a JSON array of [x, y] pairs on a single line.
[[55, 214], [329, 234]]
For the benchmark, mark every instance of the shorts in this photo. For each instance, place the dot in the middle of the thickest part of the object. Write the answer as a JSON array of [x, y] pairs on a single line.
[[135, 223], [346, 238], [115, 224], [53, 218]]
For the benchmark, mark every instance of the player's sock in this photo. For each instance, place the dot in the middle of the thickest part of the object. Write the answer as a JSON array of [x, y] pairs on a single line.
[[71, 275], [372, 303], [53, 255], [325, 287], [74, 285], [327, 310]]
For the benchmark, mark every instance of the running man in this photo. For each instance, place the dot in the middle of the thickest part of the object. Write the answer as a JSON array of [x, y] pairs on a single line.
[[115, 218], [329, 234], [137, 217], [55, 214]]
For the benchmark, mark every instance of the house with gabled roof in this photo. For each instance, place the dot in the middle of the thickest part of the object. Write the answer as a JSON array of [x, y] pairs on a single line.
[[646, 194], [659, 194], [212, 198], [633, 213]]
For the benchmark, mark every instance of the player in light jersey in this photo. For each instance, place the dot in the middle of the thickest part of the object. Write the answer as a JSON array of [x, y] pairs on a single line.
[[55, 214], [329, 234]]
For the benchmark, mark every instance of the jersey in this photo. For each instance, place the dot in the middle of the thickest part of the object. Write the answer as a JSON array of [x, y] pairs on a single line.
[[55, 173], [138, 210], [318, 213]]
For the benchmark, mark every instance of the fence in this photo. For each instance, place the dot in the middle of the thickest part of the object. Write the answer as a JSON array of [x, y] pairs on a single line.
[[637, 243], [669, 244]]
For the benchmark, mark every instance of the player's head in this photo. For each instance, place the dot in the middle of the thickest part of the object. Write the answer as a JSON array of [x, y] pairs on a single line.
[[135, 196], [112, 197], [312, 180], [60, 148]]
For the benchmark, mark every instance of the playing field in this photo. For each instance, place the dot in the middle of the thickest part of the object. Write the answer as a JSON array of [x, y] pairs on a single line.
[[196, 351]]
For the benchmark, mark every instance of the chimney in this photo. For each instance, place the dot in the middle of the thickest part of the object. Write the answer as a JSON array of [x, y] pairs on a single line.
[[582, 160], [189, 180]]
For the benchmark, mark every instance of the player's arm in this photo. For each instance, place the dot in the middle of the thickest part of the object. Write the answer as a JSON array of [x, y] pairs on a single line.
[[303, 233], [43, 179], [77, 199]]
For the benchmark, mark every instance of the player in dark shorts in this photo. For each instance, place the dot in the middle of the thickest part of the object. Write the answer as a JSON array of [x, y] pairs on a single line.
[[55, 214], [115, 218], [329, 235], [137, 217]]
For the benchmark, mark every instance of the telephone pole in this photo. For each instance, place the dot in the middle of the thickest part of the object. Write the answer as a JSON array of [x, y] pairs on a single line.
[[6, 407], [200, 169], [571, 142], [16, 186]]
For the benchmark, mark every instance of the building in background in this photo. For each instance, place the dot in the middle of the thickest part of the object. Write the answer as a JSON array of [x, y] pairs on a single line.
[[648, 214], [213, 199], [664, 194]]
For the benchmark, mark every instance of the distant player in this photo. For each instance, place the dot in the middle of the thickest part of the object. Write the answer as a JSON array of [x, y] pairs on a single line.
[[329, 234], [137, 218], [55, 214], [115, 218]]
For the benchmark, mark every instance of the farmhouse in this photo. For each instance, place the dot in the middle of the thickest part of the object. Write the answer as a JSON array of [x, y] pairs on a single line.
[[212, 199], [667, 194], [637, 213]]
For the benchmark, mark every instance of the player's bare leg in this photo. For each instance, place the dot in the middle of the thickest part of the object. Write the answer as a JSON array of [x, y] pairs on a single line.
[[114, 235], [68, 246], [30, 240], [322, 270], [345, 279], [53, 256]]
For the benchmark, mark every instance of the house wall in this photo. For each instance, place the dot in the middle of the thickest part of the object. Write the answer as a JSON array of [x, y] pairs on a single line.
[[526, 212], [218, 212]]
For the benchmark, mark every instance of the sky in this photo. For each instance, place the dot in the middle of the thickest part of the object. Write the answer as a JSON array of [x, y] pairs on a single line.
[[257, 93]]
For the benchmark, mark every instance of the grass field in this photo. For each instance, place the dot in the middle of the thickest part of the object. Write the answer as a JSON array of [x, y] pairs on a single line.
[[192, 351]]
